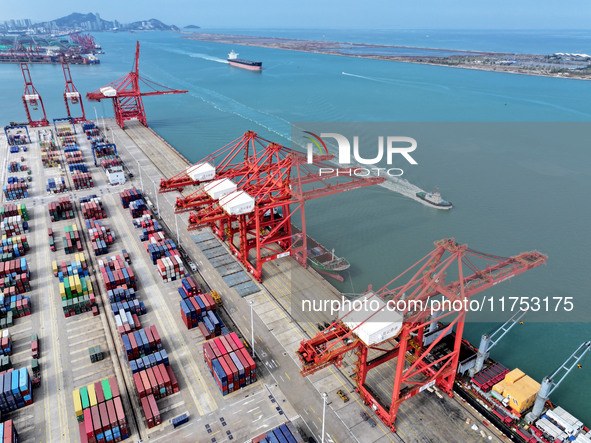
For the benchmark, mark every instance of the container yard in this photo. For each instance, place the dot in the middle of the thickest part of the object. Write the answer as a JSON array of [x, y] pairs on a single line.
[[133, 343]]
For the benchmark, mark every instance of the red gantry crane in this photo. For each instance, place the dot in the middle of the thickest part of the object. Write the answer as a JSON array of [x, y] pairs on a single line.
[[32, 100], [126, 94], [248, 192], [71, 95], [412, 334]]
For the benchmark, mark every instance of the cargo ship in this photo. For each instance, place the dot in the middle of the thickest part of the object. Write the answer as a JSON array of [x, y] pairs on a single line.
[[434, 199], [246, 64], [323, 260]]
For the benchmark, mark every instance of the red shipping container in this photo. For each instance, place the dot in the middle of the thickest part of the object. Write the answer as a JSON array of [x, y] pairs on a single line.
[[153, 382], [173, 381], [151, 339], [154, 408], [114, 387], [89, 429], [156, 335], [233, 370], [220, 345], [196, 306], [244, 362], [251, 363], [96, 420], [82, 432], [227, 344], [146, 382], [139, 385], [98, 389], [165, 378], [120, 412], [237, 341], [159, 379], [210, 300], [112, 414], [147, 412], [104, 416], [215, 349]]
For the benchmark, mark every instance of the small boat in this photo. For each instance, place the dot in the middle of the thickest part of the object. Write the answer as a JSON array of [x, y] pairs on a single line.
[[434, 199]]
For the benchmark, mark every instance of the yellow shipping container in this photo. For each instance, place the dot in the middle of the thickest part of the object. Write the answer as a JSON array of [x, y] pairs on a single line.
[[91, 394], [74, 228], [62, 291], [72, 284], [513, 376], [54, 266], [77, 403], [78, 284], [89, 285]]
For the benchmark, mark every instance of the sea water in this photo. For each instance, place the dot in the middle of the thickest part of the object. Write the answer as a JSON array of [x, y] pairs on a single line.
[[505, 202]]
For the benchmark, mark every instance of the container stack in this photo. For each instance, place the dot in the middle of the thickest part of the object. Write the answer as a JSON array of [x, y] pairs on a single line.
[[14, 247], [115, 273], [14, 276], [16, 167], [149, 227], [56, 186], [61, 210], [92, 208], [17, 140], [50, 159], [14, 225], [16, 191], [13, 306], [127, 316], [284, 433], [72, 241], [75, 286], [12, 209], [153, 380], [150, 361], [64, 131], [5, 343], [110, 162], [165, 256], [101, 236], [229, 363], [128, 196], [99, 411], [8, 431], [137, 208], [82, 180], [16, 390], [199, 309]]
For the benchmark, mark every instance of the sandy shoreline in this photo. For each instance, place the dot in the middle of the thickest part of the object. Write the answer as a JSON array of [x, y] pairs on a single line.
[[464, 59]]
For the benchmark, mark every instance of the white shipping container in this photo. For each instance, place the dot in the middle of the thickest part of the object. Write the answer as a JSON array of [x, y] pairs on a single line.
[[570, 424], [201, 172], [373, 323], [583, 438], [220, 188], [237, 203]]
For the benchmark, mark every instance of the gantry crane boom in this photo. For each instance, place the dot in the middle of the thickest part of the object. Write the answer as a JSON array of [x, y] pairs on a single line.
[[71, 95], [126, 94], [417, 366], [274, 181], [32, 99]]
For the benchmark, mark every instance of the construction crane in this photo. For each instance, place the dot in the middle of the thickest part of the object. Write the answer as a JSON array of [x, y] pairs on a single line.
[[32, 100], [488, 341], [249, 192], [71, 95], [551, 382], [126, 95], [383, 333]]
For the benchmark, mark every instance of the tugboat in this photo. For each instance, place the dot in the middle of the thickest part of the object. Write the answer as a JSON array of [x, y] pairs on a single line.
[[246, 64], [434, 199]]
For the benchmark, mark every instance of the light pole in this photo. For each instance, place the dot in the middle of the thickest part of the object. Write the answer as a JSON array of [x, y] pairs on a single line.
[[251, 303], [139, 168], [324, 397], [157, 201], [176, 222]]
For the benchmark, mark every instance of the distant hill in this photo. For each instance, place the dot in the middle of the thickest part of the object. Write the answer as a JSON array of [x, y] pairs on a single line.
[[192, 27], [93, 22]]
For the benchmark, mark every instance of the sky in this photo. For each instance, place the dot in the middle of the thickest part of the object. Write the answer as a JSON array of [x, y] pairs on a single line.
[[324, 14]]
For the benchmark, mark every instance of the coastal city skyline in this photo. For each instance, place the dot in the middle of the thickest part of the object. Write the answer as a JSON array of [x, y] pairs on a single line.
[[430, 14]]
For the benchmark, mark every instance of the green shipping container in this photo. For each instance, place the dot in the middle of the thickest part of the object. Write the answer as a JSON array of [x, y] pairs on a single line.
[[84, 397], [107, 389]]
